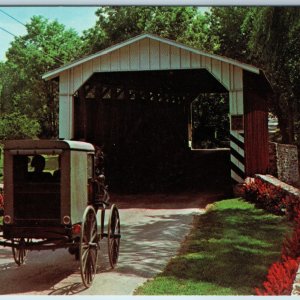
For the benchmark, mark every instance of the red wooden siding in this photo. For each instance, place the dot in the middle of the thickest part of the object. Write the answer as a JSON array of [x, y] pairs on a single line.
[[256, 133]]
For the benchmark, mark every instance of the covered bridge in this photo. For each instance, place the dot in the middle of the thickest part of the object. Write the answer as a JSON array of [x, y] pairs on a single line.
[[134, 100]]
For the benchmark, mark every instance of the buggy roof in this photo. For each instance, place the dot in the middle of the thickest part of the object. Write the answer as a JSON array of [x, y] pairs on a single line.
[[47, 144]]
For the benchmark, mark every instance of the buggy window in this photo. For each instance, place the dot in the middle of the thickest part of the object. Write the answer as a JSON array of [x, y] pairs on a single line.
[[36, 168]]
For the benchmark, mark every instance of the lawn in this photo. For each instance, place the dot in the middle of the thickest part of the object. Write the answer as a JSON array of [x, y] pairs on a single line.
[[228, 252]]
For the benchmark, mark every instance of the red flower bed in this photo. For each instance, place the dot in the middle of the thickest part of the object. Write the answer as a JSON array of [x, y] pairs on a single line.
[[271, 198], [281, 275], [280, 278]]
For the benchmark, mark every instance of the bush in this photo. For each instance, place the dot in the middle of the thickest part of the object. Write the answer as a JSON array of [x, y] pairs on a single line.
[[281, 275], [266, 196], [280, 278], [18, 126]]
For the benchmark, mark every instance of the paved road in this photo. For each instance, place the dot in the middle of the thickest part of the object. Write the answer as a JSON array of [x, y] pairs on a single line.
[[152, 228]]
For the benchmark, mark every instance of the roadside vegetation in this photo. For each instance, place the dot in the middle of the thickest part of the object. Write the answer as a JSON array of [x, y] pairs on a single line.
[[228, 252]]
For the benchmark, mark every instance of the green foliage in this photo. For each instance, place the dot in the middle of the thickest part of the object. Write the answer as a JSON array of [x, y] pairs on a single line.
[[274, 46], [227, 253], [227, 34], [210, 121], [116, 24], [18, 126], [269, 38], [45, 46]]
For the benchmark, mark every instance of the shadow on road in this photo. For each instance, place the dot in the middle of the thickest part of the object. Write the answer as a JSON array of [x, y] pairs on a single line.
[[152, 228], [41, 271], [170, 201]]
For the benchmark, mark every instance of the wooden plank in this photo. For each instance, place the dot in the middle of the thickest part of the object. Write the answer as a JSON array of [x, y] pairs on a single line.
[[105, 62], [165, 56], [175, 57], [231, 80], [154, 55], [233, 110], [87, 70], [185, 59], [144, 54], [216, 69], [195, 61], [208, 63], [115, 60], [64, 83], [236, 103], [237, 148], [65, 117], [134, 56], [96, 64], [225, 75], [256, 134], [238, 78], [124, 59], [77, 77]]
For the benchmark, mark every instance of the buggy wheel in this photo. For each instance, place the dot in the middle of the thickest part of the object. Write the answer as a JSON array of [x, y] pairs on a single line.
[[88, 246], [19, 251], [113, 236]]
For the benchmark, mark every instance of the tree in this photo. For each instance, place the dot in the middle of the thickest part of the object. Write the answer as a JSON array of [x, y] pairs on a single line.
[[116, 24], [18, 126], [267, 37], [227, 34], [46, 45], [274, 45]]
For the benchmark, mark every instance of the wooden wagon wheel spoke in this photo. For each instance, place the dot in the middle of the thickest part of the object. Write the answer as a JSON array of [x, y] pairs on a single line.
[[19, 251], [94, 236], [88, 246], [113, 236], [85, 256]]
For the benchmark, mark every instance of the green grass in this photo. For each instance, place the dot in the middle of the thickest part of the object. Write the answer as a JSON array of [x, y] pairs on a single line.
[[228, 252]]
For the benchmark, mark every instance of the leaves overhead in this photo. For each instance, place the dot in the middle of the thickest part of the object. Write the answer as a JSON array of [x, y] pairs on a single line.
[[46, 45], [117, 24]]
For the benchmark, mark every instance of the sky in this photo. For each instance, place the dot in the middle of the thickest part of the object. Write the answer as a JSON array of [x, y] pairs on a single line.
[[78, 18]]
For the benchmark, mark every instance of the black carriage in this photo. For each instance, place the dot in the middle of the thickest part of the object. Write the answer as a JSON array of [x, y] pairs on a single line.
[[54, 198]]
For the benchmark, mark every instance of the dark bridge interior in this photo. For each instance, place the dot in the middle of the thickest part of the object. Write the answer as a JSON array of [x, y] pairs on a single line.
[[140, 119]]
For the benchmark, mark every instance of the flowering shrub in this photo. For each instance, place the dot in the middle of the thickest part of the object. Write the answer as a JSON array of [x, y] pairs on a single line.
[[291, 245], [281, 275], [280, 278], [266, 196], [292, 207]]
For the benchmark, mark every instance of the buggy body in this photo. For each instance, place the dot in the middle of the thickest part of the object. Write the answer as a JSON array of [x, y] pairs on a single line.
[[52, 199]]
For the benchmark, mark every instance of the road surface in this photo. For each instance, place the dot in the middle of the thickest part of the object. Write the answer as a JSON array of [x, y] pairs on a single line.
[[152, 229]]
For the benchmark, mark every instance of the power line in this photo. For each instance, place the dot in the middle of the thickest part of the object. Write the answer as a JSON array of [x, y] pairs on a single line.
[[47, 54], [8, 32], [7, 14], [12, 17]]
